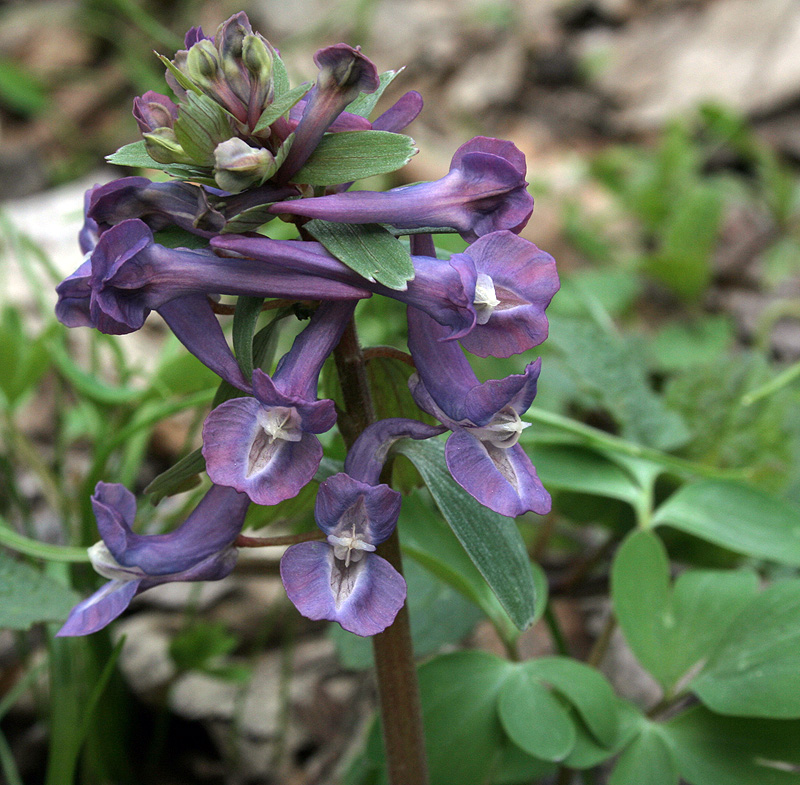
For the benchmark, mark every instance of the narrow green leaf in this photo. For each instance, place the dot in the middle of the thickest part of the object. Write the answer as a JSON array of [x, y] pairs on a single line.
[[134, 155], [492, 541], [368, 249], [365, 103], [249, 220], [280, 76], [533, 718], [174, 479], [181, 78], [646, 761], [245, 317], [19, 90], [714, 750], [27, 596], [574, 468], [754, 672], [736, 516], [429, 540], [350, 155], [281, 105]]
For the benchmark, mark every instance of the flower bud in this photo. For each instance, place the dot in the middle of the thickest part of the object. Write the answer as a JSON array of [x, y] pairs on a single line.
[[202, 65], [238, 166], [163, 146], [153, 110]]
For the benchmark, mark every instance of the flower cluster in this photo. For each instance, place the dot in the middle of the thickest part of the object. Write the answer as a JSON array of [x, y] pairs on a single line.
[[241, 148]]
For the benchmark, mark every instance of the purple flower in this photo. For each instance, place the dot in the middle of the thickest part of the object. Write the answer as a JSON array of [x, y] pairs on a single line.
[[484, 191], [153, 110], [128, 275], [343, 73], [443, 290], [342, 579], [201, 549], [266, 446], [482, 453], [515, 282], [159, 205]]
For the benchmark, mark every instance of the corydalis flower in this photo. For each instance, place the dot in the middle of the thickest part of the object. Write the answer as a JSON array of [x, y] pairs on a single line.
[[482, 453], [128, 275], [484, 191], [201, 549], [343, 73], [443, 290], [514, 284], [342, 579], [266, 446]]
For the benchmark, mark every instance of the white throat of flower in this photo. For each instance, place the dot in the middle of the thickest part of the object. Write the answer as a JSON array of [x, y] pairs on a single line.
[[281, 422], [106, 565], [349, 547], [503, 430], [485, 298]]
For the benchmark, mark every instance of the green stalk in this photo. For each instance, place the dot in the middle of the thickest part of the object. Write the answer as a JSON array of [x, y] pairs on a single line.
[[398, 689]]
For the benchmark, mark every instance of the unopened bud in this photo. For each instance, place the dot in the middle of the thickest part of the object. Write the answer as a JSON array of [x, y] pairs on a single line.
[[257, 57], [202, 66], [239, 166], [163, 146], [153, 110]]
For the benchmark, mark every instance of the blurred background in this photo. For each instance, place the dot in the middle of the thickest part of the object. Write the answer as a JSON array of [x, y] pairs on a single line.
[[663, 143]]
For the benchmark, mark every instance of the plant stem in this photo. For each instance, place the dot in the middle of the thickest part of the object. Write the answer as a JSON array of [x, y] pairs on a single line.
[[398, 690]]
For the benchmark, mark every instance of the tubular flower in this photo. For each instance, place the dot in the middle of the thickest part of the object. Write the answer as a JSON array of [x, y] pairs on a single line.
[[128, 275], [342, 579], [200, 549], [266, 446], [445, 291], [482, 453], [484, 191]]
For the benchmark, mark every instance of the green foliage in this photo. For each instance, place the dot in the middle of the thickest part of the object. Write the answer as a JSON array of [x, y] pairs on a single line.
[[28, 597], [492, 541], [339, 157], [368, 249]]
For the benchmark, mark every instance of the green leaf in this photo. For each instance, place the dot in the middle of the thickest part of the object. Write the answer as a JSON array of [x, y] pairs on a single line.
[[610, 372], [492, 541], [194, 647], [27, 596], [365, 103], [516, 767], [646, 761], [350, 155], [714, 750], [249, 220], [280, 76], [533, 718], [439, 616], [754, 671], [19, 90], [429, 540], [579, 469], [683, 260], [588, 753], [174, 479], [245, 318], [201, 125], [368, 249], [280, 106], [735, 516], [134, 155], [459, 695], [670, 632], [586, 689]]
